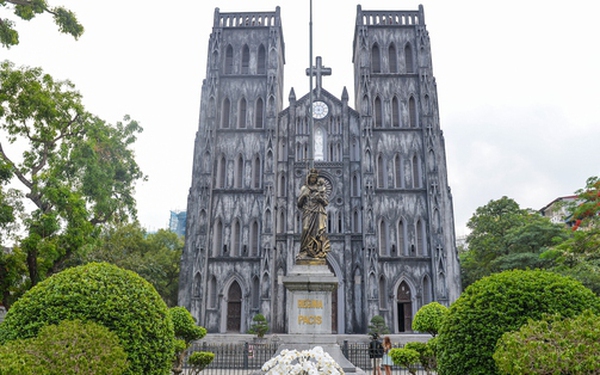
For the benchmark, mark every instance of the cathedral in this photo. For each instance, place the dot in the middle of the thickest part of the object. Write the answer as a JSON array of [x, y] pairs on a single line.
[[380, 160]]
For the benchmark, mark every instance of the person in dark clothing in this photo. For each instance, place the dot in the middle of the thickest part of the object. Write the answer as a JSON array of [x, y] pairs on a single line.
[[376, 353]]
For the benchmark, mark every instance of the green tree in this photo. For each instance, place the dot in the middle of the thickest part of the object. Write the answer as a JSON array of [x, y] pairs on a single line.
[[579, 255], [378, 326], [500, 303], [552, 345], [76, 171], [259, 326], [71, 347], [154, 256], [503, 237], [27, 9], [407, 358], [429, 318], [118, 299], [186, 331]]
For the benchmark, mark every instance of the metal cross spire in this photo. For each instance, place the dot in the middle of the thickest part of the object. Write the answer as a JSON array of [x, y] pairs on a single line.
[[318, 71]]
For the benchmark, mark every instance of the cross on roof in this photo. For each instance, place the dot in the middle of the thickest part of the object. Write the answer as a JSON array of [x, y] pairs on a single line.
[[319, 71]]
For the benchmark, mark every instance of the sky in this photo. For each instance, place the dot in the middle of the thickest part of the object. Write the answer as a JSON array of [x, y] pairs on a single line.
[[518, 85]]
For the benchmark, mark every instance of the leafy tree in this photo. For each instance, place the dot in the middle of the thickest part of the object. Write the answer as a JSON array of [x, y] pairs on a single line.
[[76, 171], [405, 357], [429, 318], [199, 360], [186, 331], [503, 237], [552, 345], [154, 256], [259, 326], [118, 299], [501, 303], [12, 269], [27, 9], [378, 326], [427, 353], [71, 347]]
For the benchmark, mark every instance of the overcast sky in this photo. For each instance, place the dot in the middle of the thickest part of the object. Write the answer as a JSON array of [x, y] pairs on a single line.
[[518, 85]]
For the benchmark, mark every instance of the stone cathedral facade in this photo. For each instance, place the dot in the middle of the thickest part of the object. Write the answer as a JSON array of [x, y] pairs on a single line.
[[390, 217]]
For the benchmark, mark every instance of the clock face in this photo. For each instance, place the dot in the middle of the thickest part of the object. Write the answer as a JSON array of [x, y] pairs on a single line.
[[319, 109]]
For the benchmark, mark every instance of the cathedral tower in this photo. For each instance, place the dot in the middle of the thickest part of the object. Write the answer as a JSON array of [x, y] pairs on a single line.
[[390, 221]]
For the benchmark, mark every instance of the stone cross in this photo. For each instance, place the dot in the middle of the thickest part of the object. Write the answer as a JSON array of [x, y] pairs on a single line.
[[319, 71]]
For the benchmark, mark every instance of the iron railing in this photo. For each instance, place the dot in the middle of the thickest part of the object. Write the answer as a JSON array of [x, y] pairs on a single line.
[[248, 358]]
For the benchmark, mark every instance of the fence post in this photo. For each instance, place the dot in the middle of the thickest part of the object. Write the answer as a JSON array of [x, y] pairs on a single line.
[[246, 355]]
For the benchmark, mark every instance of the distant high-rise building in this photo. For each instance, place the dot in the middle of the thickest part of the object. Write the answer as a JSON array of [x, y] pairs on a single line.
[[177, 222], [390, 215]]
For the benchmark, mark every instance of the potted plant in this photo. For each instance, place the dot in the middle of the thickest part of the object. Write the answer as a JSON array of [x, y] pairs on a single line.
[[259, 326]]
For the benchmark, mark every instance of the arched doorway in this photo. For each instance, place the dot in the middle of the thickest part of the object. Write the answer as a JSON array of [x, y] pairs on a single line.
[[404, 308], [234, 308]]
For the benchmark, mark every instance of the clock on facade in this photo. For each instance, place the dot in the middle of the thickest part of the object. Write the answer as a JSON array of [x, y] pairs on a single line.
[[319, 109]]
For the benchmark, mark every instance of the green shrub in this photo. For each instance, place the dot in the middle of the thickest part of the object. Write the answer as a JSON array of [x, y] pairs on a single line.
[[429, 318], [378, 328], [552, 346], [118, 299], [407, 358], [199, 360], [501, 303], [427, 353], [186, 331], [259, 325], [72, 347]]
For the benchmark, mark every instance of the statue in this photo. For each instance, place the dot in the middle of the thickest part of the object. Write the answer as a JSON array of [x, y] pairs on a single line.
[[312, 201]]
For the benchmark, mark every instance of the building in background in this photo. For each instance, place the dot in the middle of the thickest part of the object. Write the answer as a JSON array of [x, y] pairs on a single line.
[[382, 157], [177, 222]]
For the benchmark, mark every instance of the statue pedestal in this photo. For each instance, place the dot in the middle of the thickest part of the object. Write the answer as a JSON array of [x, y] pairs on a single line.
[[310, 286], [309, 301]]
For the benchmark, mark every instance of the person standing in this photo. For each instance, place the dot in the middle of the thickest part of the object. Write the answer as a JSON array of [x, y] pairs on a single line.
[[387, 360], [376, 353]]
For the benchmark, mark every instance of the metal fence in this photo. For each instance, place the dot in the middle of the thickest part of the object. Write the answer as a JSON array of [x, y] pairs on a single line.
[[248, 358]]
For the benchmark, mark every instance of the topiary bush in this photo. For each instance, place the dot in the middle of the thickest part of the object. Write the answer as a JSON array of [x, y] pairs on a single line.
[[259, 326], [551, 346], [199, 360], [429, 318], [405, 357], [120, 300], [186, 331], [71, 347], [501, 303]]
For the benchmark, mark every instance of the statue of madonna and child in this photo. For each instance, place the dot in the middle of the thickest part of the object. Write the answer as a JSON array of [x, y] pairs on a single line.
[[312, 200]]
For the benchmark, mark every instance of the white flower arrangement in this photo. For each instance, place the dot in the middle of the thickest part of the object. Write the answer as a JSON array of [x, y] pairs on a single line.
[[306, 362]]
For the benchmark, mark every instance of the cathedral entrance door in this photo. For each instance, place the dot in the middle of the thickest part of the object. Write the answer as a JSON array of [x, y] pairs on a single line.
[[404, 308], [234, 308]]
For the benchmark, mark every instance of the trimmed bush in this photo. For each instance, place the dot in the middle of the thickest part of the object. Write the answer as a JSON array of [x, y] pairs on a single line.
[[501, 303], [552, 346], [407, 358], [186, 331], [259, 326], [120, 300], [199, 360], [72, 347], [429, 318]]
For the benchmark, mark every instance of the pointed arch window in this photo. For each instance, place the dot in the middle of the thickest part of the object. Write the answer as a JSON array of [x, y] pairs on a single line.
[[236, 233], [255, 292], [392, 58], [398, 171], [380, 172], [355, 189], [259, 113], [408, 59], [401, 238], [426, 290], [383, 239], [238, 176], [262, 60], [256, 173], [375, 59], [281, 222], [415, 172], [383, 301], [420, 238], [355, 222], [254, 239], [221, 173], [242, 113], [245, 60], [212, 293], [378, 113], [229, 60], [412, 112], [395, 112], [225, 113], [218, 238], [282, 189]]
